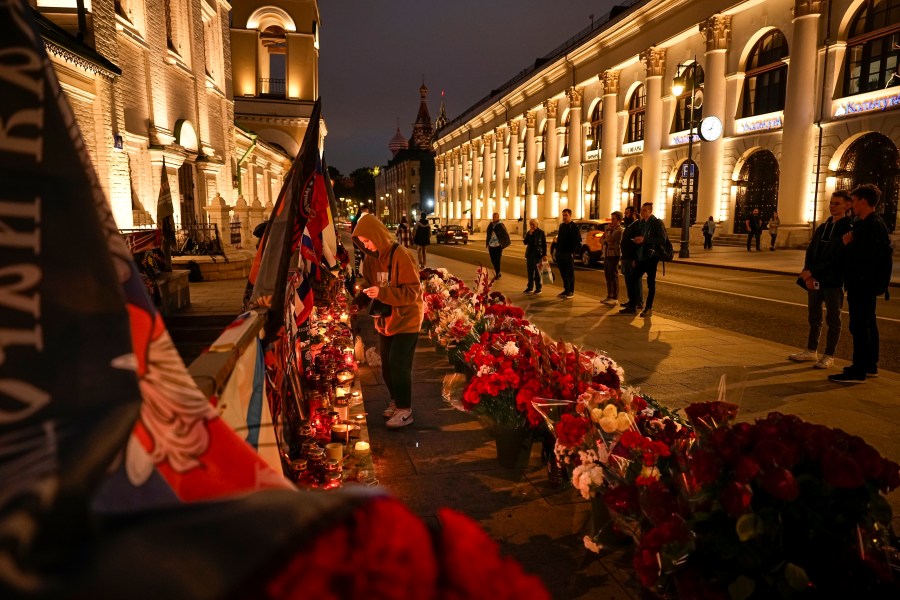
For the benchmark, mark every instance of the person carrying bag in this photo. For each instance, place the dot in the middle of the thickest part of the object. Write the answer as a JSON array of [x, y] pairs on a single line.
[[390, 275]]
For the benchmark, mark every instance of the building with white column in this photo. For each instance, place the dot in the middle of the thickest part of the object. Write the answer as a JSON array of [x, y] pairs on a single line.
[[807, 92]]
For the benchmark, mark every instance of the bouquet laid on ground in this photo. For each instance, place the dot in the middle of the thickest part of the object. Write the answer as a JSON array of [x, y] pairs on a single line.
[[779, 508]]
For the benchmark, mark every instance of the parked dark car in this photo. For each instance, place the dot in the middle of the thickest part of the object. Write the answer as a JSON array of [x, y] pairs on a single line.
[[452, 233], [591, 241]]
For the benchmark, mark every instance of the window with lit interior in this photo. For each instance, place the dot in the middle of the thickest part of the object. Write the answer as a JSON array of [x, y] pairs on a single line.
[[873, 48], [765, 79]]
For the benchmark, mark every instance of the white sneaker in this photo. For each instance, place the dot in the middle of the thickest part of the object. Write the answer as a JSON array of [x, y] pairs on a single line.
[[402, 417], [826, 362], [390, 410], [805, 356], [611, 302]]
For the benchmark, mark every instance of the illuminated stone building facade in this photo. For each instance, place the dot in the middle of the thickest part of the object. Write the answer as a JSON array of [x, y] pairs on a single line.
[[150, 84], [808, 93]]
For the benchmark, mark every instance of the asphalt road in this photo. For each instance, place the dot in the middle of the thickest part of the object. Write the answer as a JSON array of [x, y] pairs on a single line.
[[761, 305]]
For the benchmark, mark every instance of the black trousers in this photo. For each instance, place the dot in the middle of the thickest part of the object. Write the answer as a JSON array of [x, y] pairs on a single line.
[[496, 254], [532, 264], [566, 263], [707, 241], [751, 235], [864, 329], [647, 266], [397, 353]]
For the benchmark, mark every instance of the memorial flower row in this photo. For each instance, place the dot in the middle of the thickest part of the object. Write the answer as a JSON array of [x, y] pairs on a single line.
[[777, 508]]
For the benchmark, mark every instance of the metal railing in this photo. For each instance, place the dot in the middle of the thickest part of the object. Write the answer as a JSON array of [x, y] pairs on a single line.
[[271, 87], [198, 239]]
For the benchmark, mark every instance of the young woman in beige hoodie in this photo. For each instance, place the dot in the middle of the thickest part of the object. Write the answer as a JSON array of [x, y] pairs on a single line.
[[398, 332]]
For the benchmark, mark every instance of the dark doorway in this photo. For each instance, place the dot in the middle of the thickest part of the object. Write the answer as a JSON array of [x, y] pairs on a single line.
[[186, 189], [757, 188], [594, 207], [873, 158], [634, 189]]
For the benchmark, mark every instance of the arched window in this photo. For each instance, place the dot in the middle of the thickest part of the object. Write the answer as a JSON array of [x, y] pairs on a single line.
[[637, 106], [596, 127], [682, 120], [765, 82], [633, 188], [873, 48], [593, 196], [567, 126], [274, 43], [543, 155]]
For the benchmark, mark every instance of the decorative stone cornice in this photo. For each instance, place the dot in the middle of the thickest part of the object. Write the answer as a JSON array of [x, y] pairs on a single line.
[[530, 118], [610, 81], [654, 60], [574, 96], [513, 127], [717, 31], [803, 8], [80, 61], [550, 106]]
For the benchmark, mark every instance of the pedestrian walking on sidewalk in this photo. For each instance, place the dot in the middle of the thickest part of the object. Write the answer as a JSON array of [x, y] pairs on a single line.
[[824, 279], [403, 232], [568, 242], [633, 285], [390, 276], [612, 249], [496, 240], [709, 228], [754, 228], [422, 238], [774, 222], [866, 248], [652, 236], [535, 252]]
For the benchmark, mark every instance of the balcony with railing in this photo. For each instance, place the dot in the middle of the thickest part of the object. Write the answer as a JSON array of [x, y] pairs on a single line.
[[271, 88]]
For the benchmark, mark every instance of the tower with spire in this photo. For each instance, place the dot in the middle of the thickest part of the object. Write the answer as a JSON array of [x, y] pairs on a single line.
[[422, 128], [405, 186], [442, 116]]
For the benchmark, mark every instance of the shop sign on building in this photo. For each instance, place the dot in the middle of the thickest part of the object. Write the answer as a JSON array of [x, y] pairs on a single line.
[[633, 148], [880, 100], [759, 123]]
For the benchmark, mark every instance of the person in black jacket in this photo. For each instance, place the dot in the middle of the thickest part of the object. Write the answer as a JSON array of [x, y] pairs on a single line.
[[497, 239], [535, 251], [823, 276], [651, 236], [633, 287], [863, 246], [568, 242], [754, 228]]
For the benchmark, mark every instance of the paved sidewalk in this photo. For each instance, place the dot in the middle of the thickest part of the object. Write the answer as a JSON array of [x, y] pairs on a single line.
[[446, 459]]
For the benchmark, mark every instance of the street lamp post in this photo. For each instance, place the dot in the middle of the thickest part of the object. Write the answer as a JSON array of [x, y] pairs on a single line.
[[685, 71]]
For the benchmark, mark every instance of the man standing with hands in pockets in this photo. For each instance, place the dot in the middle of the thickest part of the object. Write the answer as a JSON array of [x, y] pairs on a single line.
[[568, 242]]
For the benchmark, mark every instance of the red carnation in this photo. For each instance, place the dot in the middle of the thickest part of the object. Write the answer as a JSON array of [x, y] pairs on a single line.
[[571, 430]]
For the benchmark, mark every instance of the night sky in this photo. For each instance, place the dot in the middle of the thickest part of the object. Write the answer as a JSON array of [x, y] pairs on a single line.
[[374, 53]]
